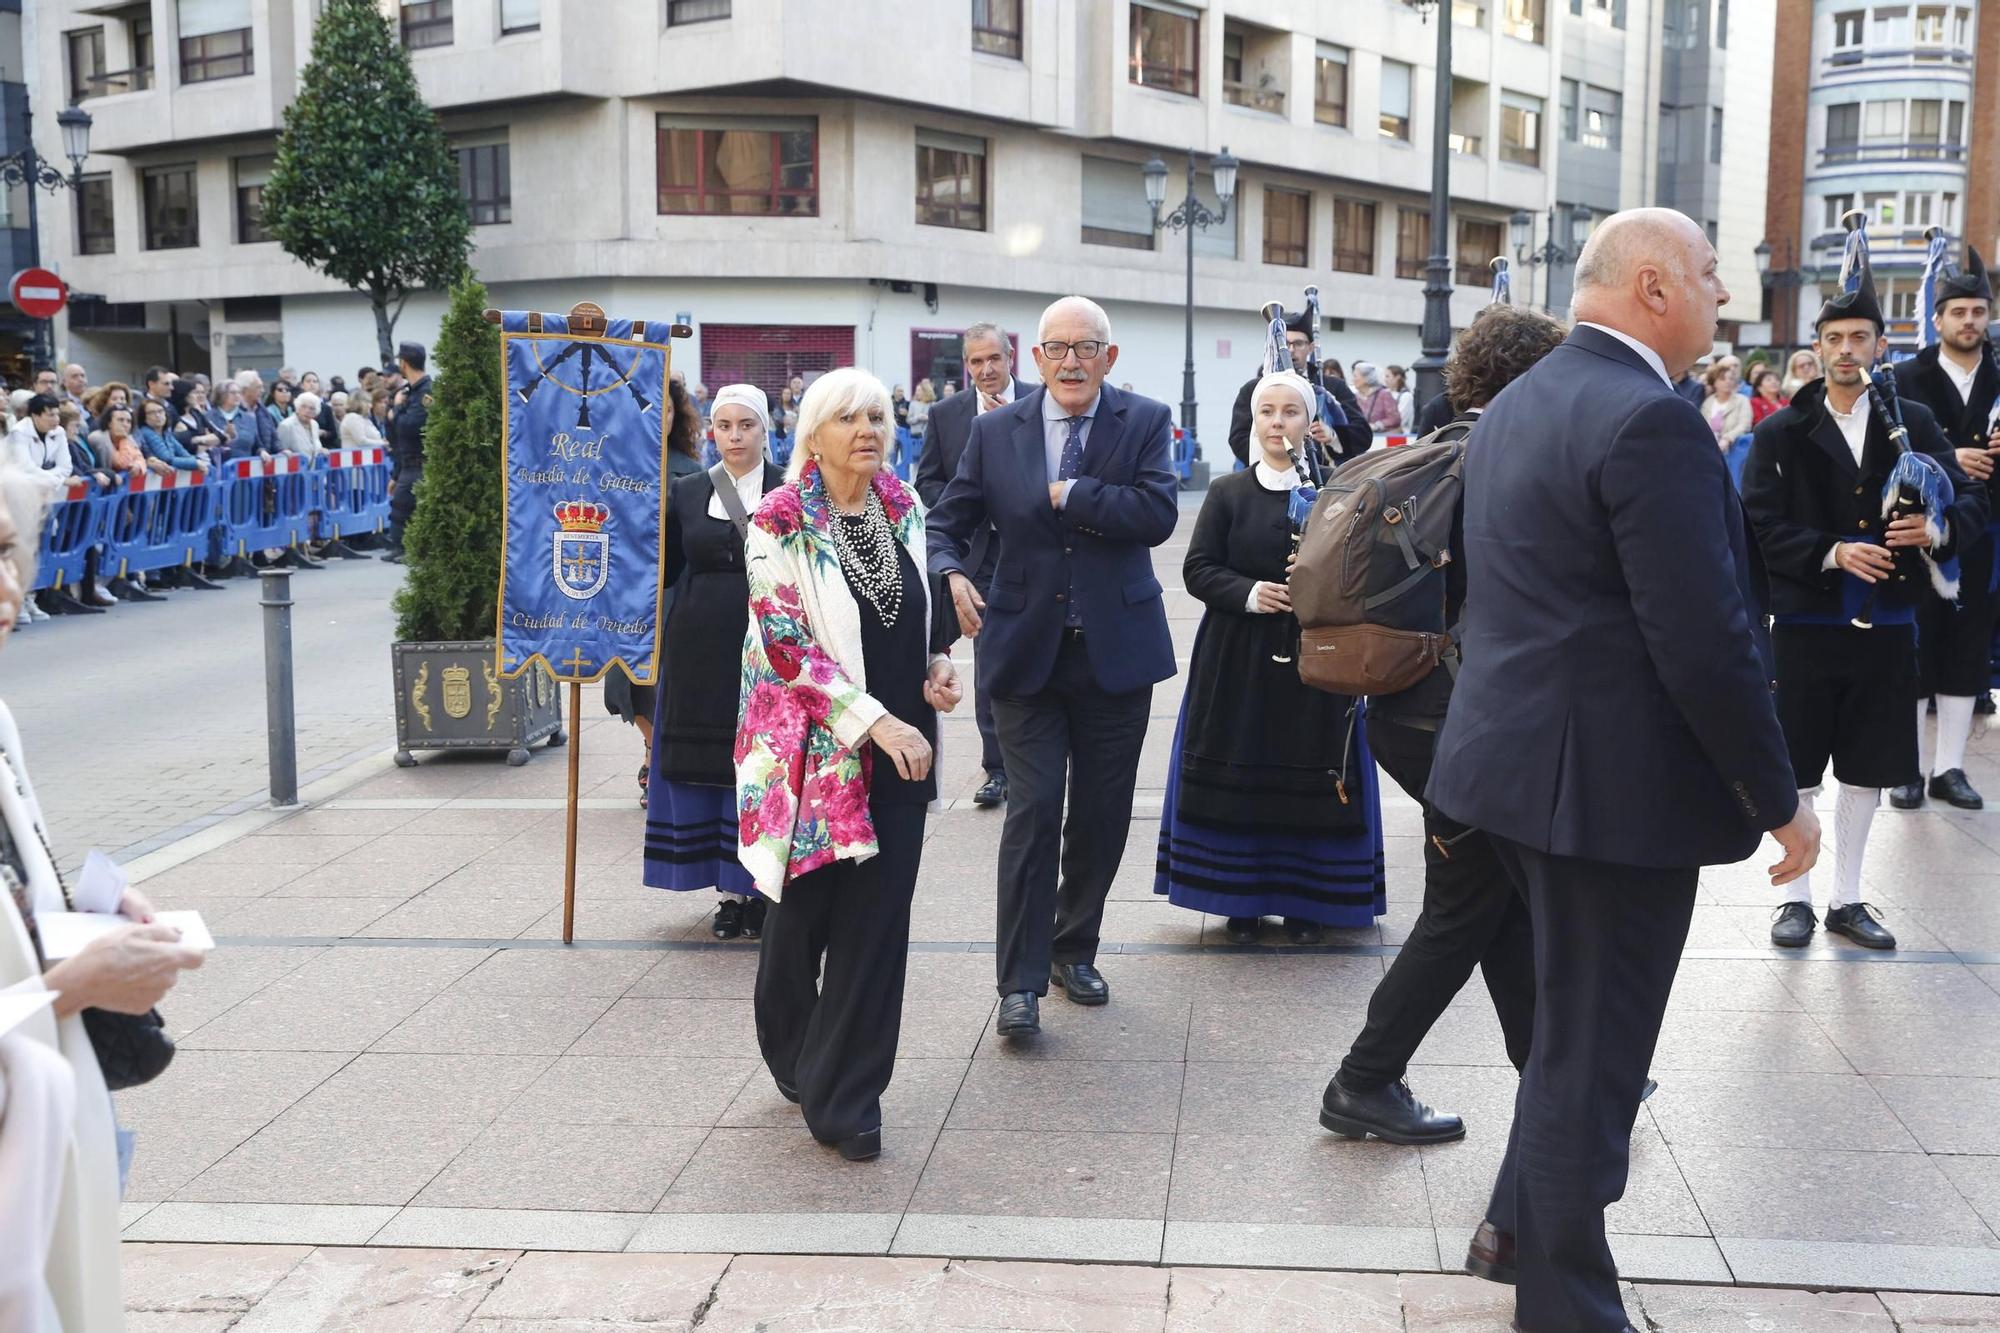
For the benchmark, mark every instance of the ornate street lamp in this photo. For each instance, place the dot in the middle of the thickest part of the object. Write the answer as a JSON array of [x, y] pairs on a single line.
[[1191, 216], [1521, 230], [29, 168]]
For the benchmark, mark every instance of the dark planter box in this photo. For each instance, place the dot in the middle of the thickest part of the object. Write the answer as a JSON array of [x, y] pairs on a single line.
[[448, 697]]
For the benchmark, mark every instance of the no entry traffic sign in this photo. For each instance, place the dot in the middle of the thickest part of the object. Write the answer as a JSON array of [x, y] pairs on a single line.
[[38, 293]]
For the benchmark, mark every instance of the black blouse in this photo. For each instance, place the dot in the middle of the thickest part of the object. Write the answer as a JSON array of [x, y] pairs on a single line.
[[896, 661]]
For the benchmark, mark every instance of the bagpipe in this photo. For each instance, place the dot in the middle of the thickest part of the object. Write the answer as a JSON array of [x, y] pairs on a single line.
[[1278, 361]]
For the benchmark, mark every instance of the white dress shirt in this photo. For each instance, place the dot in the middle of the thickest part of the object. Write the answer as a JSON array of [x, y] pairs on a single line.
[[1055, 434], [1652, 358], [1271, 479], [1001, 399], [749, 488], [1854, 429], [1960, 379]]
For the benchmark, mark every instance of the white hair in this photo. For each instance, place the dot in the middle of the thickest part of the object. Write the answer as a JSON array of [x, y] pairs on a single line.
[[834, 395], [1365, 372], [246, 378], [1075, 305], [27, 502], [304, 400]]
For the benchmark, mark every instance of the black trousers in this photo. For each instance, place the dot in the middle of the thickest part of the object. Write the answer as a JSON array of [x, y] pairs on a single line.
[[1472, 917], [1955, 642], [404, 502], [1608, 941], [982, 698], [830, 978], [1072, 732]]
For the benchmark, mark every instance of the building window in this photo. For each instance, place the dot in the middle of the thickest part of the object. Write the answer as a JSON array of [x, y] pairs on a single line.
[[1954, 125], [996, 27], [1837, 207], [1468, 13], [1918, 209], [93, 216], [86, 62], [485, 178], [251, 174], [1287, 226], [1523, 19], [1394, 120], [1891, 27], [695, 11], [520, 16], [1926, 125], [139, 32], [1569, 110], [768, 167], [1715, 135], [1880, 206], [426, 23], [951, 181], [1164, 48], [215, 39], [1521, 129], [1882, 122], [1353, 236], [1602, 112], [172, 222], [1847, 28], [1413, 242], [1115, 211], [1478, 247], [1948, 211], [1330, 85], [1722, 25], [1843, 126], [1930, 26]]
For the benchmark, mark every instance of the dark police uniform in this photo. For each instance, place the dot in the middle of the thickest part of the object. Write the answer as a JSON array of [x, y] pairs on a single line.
[[406, 450]]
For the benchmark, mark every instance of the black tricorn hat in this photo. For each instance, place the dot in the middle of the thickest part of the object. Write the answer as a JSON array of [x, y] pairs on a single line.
[[1860, 303], [1967, 283]]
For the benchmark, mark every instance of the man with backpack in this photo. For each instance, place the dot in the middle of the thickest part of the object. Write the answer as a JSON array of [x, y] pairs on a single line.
[[1472, 916]]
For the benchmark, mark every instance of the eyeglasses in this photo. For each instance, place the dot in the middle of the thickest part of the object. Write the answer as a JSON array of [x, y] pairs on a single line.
[[1057, 350]]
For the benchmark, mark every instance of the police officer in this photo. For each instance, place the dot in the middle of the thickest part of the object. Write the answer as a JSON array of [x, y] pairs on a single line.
[[406, 442]]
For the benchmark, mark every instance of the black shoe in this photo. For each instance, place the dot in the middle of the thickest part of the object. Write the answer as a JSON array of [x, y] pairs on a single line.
[[1020, 1015], [1950, 786], [393, 556], [753, 918], [1243, 929], [1861, 923], [1792, 925], [1491, 1255], [862, 1147], [1392, 1114], [1982, 705], [1301, 931], [728, 920], [1081, 983], [1909, 796], [991, 792]]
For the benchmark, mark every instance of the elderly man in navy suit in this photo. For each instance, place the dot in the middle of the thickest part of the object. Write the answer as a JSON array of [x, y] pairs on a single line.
[[1612, 729], [989, 365], [1076, 480]]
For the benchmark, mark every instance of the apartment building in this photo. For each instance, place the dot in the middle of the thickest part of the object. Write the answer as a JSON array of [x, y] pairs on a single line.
[[810, 184], [1886, 107]]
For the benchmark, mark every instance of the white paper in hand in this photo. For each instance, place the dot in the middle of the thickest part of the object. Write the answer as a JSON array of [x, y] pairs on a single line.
[[101, 886], [65, 933]]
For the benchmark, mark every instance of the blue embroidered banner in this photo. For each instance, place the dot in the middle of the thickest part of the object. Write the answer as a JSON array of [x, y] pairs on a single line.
[[585, 445]]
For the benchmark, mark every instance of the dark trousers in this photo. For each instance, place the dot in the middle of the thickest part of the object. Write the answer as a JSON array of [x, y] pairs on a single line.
[[1955, 640], [1472, 917], [831, 1034], [982, 698], [1608, 940], [1071, 731], [403, 502]]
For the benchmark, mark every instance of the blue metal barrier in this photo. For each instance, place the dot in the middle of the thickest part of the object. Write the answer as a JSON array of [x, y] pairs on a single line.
[[351, 492], [75, 525]]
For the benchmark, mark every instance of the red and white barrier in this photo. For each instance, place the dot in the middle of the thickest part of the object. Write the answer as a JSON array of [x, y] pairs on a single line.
[[355, 457], [279, 465]]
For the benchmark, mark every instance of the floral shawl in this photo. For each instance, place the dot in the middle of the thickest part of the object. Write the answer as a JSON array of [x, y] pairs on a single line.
[[804, 711]]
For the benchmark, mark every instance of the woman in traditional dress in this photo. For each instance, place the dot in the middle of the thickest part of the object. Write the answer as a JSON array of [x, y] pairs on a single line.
[[1271, 804], [691, 800]]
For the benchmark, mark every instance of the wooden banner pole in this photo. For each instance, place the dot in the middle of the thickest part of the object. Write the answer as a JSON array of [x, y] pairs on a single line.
[[569, 843]]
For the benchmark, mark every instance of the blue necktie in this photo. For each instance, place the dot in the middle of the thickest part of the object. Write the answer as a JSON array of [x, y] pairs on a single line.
[[1072, 450]]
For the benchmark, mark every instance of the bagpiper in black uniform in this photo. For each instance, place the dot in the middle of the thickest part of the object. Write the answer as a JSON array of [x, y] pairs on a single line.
[[1813, 487], [1958, 379]]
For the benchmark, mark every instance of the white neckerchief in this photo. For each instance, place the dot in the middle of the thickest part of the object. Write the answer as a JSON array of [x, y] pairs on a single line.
[[1651, 357], [1960, 379], [1271, 479], [749, 487], [1853, 425]]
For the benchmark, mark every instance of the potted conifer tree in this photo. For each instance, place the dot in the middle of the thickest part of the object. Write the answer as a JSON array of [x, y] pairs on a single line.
[[448, 695]]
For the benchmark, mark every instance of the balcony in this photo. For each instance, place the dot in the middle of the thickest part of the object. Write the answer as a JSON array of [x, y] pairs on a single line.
[[1878, 57], [1271, 100], [1255, 62], [1842, 155]]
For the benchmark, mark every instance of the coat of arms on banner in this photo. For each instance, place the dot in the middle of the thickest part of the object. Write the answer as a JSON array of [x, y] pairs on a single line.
[[582, 558]]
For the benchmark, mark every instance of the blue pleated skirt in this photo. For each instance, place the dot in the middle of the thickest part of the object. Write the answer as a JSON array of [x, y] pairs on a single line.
[[691, 838]]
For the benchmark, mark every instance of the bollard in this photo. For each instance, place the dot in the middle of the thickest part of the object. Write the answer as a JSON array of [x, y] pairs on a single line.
[[280, 722]]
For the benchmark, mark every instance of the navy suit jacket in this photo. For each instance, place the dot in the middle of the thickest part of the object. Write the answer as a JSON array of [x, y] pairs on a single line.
[[1125, 501], [1613, 702], [945, 434]]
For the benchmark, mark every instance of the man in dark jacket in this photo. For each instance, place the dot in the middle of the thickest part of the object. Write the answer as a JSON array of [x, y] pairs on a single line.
[[406, 443], [1958, 379], [989, 368], [1611, 730], [1342, 431], [1813, 486]]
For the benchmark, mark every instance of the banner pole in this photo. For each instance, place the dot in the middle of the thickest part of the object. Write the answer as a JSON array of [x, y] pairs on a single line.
[[569, 842]]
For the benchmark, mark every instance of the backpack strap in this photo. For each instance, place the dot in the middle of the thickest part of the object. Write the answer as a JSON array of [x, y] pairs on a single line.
[[732, 503]]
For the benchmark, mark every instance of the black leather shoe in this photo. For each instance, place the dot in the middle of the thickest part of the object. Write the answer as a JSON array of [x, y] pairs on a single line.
[[991, 792], [1909, 796], [862, 1147], [1392, 1114], [728, 920], [1242, 929], [1081, 983], [1792, 925], [1861, 923], [1491, 1255], [1020, 1015], [1301, 931], [753, 918], [1950, 786]]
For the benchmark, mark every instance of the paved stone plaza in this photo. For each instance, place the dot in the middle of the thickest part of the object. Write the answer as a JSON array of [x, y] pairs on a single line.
[[392, 1049]]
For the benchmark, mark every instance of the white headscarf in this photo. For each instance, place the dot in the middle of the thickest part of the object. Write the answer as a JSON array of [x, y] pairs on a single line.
[[743, 395], [1289, 380]]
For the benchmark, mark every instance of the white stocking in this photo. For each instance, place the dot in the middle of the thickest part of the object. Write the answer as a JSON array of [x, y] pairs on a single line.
[[1853, 812], [1924, 746], [1954, 728]]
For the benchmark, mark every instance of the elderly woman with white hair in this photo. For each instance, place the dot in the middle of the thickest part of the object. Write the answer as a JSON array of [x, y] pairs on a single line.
[[1378, 401], [1272, 806], [840, 690], [691, 794]]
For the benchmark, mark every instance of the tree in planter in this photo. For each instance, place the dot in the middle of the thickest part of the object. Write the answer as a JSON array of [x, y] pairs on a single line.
[[364, 188], [453, 542]]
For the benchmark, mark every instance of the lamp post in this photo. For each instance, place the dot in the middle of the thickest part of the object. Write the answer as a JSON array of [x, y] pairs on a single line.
[[1521, 229], [1436, 333], [36, 172], [1784, 283], [1191, 216]]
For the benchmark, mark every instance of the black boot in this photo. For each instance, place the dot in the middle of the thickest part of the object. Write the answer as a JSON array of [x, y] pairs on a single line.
[[728, 920]]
